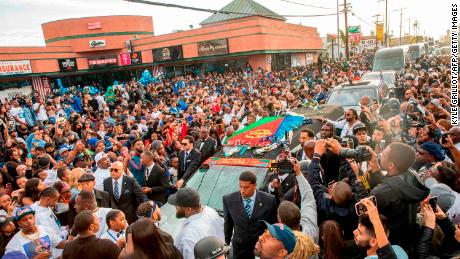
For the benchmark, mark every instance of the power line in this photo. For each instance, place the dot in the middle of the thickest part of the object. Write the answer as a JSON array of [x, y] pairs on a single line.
[[359, 18], [314, 6], [218, 11]]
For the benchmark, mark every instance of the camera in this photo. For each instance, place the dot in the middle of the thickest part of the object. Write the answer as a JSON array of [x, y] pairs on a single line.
[[444, 137], [283, 165], [360, 154]]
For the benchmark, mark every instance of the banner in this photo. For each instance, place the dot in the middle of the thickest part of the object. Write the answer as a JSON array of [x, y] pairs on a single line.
[[16, 67], [213, 47], [251, 162], [67, 64], [125, 59], [96, 43], [379, 30], [167, 53], [42, 86], [136, 58], [102, 62]]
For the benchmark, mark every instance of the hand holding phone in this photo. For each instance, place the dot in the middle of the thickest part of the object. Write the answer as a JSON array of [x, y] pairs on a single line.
[[361, 208]]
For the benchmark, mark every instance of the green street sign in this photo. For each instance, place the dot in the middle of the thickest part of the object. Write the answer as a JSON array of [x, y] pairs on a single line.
[[354, 29]]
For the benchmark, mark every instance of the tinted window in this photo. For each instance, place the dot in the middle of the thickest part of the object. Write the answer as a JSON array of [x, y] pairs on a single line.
[[389, 60], [350, 96]]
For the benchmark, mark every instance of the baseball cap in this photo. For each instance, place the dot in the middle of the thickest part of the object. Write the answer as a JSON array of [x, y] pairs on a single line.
[[5, 220], [23, 211], [63, 149], [86, 178], [14, 255], [284, 234], [185, 197], [436, 103], [93, 141], [99, 156]]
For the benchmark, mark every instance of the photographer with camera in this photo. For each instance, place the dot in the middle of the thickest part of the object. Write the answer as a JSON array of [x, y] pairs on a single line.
[[399, 194], [282, 180], [336, 201]]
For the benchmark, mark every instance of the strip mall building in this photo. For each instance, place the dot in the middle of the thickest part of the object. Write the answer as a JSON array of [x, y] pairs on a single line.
[[111, 48]]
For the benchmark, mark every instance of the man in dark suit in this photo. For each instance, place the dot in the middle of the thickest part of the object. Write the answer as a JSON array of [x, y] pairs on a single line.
[[189, 161], [305, 135], [124, 190], [156, 178], [103, 200], [206, 145], [243, 212], [278, 184]]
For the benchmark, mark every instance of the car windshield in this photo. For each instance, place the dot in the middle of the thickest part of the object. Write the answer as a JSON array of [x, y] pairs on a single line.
[[387, 77], [350, 96], [388, 63], [219, 181]]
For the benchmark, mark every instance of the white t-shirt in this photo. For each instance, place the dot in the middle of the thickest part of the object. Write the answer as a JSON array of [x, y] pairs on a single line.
[[51, 177], [111, 235], [101, 102], [41, 114], [17, 111], [29, 247], [101, 214], [44, 216], [100, 175]]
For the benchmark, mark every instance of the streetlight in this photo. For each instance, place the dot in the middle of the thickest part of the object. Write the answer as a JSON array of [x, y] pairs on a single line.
[[385, 38]]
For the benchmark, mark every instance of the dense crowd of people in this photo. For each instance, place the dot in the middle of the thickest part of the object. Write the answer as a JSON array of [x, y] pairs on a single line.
[[85, 174]]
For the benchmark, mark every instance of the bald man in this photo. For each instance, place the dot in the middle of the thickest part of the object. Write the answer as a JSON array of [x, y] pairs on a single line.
[[309, 148], [124, 191], [454, 133]]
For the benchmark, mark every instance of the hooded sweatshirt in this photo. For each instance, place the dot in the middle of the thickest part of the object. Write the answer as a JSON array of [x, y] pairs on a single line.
[[398, 198]]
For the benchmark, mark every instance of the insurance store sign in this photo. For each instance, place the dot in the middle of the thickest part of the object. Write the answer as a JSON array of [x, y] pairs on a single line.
[[213, 47], [103, 62], [15, 67]]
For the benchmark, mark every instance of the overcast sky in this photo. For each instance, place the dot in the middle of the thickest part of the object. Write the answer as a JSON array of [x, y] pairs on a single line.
[[22, 19]]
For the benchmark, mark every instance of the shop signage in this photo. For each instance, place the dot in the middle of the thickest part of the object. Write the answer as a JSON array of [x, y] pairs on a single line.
[[133, 58], [125, 59], [96, 43], [102, 62], [167, 53], [212, 47], [15, 67], [67, 64], [94, 25], [379, 30], [136, 58]]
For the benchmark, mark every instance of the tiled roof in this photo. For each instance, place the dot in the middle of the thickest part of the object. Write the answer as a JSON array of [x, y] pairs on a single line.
[[239, 9]]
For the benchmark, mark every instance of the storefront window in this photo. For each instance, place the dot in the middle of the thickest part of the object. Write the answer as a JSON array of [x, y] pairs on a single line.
[[281, 61]]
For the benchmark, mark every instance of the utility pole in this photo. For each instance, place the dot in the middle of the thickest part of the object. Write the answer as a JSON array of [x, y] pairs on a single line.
[[400, 23], [338, 31], [345, 7], [400, 27]]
